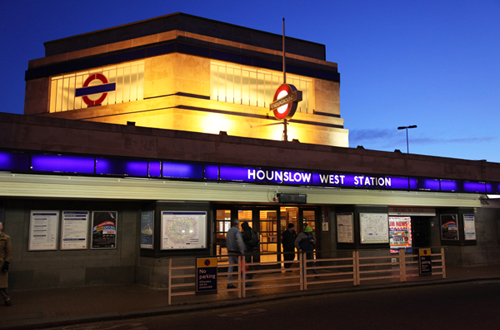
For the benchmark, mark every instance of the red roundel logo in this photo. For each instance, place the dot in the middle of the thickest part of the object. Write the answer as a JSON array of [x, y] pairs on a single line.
[[91, 78], [285, 101]]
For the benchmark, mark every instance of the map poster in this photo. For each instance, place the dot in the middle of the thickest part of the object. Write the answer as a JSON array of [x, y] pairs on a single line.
[[345, 228], [469, 227], [74, 230], [147, 228], [44, 227], [449, 227], [183, 230], [104, 229], [374, 228]]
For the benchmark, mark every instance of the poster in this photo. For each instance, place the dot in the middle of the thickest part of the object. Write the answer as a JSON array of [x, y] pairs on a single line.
[[449, 227], [469, 227], [374, 228], [147, 229], [400, 233], [345, 228], [74, 230], [104, 229], [44, 227], [183, 230]]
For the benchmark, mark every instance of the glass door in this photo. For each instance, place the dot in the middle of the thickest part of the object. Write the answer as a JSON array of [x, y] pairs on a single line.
[[222, 225], [268, 231]]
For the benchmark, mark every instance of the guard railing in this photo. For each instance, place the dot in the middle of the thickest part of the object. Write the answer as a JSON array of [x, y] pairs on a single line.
[[352, 268]]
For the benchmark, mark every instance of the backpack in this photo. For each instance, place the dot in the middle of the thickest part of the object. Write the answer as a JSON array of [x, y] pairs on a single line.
[[254, 241]]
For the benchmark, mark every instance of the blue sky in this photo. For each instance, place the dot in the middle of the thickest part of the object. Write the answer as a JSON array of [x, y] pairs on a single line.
[[434, 64]]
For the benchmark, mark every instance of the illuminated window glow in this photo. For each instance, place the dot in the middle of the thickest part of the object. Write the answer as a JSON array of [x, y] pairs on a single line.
[[128, 79], [254, 87]]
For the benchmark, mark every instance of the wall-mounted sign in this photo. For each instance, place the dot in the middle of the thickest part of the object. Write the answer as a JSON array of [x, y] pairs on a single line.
[[37, 162], [469, 227], [44, 228], [104, 233], [345, 228], [147, 229], [449, 227], [374, 228], [183, 230], [285, 101], [74, 230]]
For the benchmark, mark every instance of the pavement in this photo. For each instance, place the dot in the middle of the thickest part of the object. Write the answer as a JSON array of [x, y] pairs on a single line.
[[38, 309]]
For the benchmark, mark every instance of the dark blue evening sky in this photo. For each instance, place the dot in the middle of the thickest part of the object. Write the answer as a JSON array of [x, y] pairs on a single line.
[[435, 64]]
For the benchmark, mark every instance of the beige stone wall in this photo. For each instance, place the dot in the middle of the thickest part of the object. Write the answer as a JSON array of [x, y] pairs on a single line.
[[167, 75]]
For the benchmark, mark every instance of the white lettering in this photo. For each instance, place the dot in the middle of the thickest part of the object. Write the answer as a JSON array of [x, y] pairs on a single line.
[[251, 174], [279, 176], [261, 175], [297, 176], [342, 179], [324, 178], [387, 182]]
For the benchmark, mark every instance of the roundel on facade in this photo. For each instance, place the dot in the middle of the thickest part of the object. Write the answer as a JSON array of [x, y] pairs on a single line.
[[285, 101], [95, 76]]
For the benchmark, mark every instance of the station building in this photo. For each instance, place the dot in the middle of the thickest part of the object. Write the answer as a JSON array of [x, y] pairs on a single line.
[[139, 143]]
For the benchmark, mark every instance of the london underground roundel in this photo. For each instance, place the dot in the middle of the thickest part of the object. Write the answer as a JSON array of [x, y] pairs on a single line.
[[285, 101], [91, 78]]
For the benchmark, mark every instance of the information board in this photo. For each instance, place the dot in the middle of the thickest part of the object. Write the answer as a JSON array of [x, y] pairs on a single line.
[[74, 230], [345, 228], [374, 228], [469, 227], [147, 229], [44, 228], [183, 230]]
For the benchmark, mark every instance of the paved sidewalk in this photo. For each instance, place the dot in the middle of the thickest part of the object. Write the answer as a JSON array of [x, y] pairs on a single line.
[[56, 307]]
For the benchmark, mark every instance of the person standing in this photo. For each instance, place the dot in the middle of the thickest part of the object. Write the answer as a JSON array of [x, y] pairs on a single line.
[[251, 240], [288, 240], [306, 242], [235, 248], [5, 260]]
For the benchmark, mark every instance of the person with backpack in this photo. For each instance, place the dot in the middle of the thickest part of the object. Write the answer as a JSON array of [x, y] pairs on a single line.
[[306, 242], [251, 240]]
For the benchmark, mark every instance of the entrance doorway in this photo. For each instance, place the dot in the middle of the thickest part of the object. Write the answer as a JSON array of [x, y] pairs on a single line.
[[264, 220]]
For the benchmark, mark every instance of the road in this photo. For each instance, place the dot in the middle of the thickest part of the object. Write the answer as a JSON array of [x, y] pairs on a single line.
[[470, 305]]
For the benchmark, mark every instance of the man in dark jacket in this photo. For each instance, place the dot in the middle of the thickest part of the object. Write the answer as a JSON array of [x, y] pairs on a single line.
[[288, 240], [250, 244]]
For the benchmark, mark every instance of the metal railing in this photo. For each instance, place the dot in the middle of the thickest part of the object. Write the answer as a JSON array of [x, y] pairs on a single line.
[[354, 268]]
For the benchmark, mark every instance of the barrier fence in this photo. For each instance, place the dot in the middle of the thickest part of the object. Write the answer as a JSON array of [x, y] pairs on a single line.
[[352, 269]]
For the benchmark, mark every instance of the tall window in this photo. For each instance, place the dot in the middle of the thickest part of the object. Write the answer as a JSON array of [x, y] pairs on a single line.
[[125, 82], [251, 86]]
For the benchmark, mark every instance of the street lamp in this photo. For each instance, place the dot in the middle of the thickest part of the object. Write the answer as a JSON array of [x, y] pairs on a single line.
[[406, 128]]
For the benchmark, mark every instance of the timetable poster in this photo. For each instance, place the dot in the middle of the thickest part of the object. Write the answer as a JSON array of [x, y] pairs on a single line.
[[469, 227], [104, 229], [449, 227], [345, 228], [374, 228], [74, 230], [147, 227], [44, 226]]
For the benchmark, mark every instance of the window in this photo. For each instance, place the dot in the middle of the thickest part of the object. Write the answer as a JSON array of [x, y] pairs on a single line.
[[127, 81], [251, 86]]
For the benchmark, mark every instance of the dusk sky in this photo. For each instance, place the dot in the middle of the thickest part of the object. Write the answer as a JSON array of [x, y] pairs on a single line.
[[434, 64]]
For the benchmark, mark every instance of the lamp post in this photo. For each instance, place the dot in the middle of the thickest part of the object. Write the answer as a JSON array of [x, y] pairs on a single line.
[[407, 143]]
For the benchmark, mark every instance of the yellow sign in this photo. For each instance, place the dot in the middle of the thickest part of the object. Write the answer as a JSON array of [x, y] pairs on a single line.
[[206, 262], [424, 252]]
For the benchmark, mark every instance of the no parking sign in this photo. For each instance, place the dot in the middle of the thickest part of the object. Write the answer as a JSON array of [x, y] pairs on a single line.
[[206, 275]]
